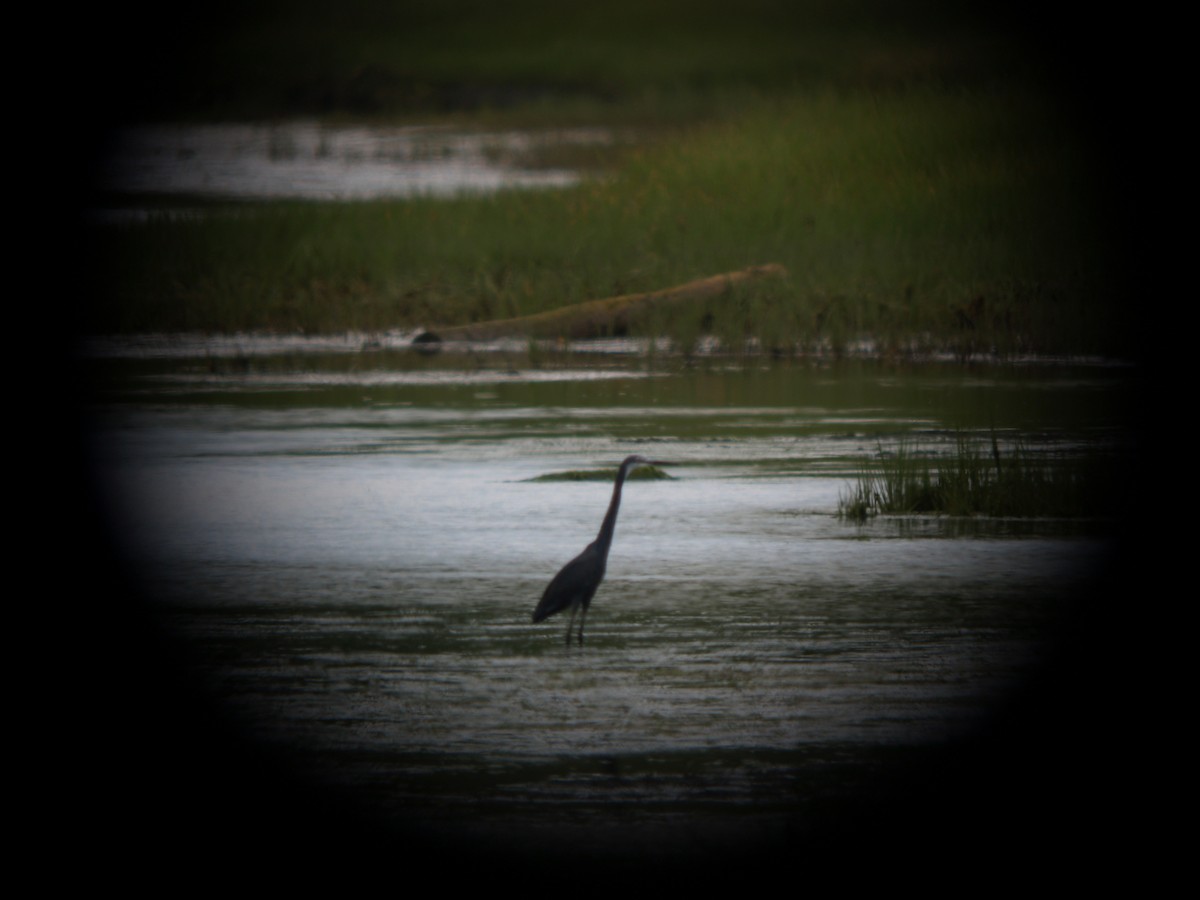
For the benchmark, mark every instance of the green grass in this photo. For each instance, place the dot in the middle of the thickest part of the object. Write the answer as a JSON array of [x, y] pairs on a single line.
[[980, 479], [960, 217], [627, 60], [914, 166]]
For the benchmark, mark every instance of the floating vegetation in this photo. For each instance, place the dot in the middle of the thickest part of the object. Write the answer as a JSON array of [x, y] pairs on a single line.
[[979, 480], [642, 473]]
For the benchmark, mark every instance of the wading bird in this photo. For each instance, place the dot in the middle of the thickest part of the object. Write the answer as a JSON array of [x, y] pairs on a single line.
[[575, 584]]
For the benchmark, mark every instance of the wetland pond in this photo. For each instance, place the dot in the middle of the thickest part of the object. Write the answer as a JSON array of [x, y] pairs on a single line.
[[348, 547], [314, 161]]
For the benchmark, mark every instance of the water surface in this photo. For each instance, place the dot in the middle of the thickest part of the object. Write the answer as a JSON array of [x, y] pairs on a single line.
[[313, 161], [350, 546]]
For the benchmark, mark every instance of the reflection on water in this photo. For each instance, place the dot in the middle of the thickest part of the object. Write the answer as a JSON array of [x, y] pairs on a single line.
[[352, 563], [319, 162]]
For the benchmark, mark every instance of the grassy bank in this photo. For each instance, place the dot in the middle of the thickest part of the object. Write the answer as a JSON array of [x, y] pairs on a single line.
[[961, 217], [921, 172], [537, 60]]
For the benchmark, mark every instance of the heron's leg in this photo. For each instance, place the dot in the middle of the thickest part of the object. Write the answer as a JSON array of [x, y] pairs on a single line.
[[574, 609], [582, 618]]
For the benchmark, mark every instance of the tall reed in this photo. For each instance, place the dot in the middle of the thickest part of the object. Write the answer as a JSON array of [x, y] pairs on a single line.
[[978, 479]]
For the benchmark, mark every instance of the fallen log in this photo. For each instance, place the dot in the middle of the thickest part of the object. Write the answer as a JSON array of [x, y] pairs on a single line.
[[601, 318]]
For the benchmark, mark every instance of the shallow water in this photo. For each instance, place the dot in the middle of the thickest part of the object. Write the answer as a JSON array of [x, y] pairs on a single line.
[[307, 160], [350, 553]]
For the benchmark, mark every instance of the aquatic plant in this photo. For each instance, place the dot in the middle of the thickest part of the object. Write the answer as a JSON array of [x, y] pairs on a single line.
[[978, 479], [645, 473]]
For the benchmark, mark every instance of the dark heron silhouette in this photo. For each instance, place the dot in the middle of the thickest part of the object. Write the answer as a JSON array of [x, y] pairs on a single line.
[[576, 582]]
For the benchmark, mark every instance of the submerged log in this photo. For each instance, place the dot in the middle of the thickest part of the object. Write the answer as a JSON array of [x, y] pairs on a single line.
[[601, 318]]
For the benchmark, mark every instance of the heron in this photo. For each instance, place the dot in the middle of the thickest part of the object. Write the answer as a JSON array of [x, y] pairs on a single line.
[[576, 582]]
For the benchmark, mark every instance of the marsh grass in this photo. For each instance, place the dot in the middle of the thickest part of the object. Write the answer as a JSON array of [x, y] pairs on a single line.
[[980, 479], [529, 61], [919, 217]]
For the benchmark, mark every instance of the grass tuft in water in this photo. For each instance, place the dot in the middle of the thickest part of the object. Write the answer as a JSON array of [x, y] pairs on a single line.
[[978, 480], [642, 473]]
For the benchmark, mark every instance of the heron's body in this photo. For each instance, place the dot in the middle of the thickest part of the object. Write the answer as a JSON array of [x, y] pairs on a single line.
[[576, 583]]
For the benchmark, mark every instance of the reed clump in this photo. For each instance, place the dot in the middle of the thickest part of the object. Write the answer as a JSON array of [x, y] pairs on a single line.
[[978, 479]]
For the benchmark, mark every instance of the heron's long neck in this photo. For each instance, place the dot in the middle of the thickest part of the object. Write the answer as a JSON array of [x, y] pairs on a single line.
[[610, 518]]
